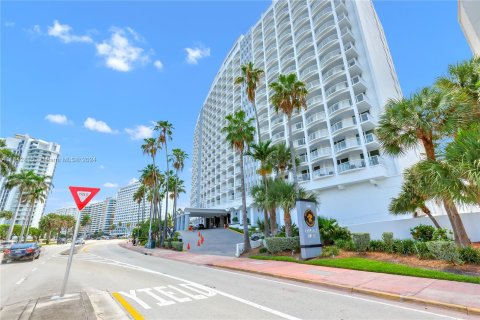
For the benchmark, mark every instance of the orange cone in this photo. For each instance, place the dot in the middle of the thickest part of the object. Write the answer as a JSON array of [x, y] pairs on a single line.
[[198, 243], [199, 233], [202, 239], [188, 246]]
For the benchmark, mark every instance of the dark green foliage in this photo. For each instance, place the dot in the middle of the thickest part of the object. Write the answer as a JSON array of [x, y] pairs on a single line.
[[361, 240], [235, 220], [405, 247], [330, 251], [421, 250], [177, 245], [295, 231], [263, 250], [377, 246], [469, 255], [330, 231], [444, 250], [387, 238], [422, 232], [275, 245], [442, 234], [346, 245]]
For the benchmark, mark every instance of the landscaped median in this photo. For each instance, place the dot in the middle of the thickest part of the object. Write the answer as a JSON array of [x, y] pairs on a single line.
[[363, 264]]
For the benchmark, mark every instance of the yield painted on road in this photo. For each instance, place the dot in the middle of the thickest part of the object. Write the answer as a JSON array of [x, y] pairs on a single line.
[[163, 296]]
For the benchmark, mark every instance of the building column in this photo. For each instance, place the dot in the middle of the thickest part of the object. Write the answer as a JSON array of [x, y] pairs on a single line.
[[186, 221]]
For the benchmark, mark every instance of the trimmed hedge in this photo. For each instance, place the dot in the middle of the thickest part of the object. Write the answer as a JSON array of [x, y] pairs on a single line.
[[279, 244], [177, 245], [330, 251], [469, 255], [361, 240], [346, 245], [444, 250]]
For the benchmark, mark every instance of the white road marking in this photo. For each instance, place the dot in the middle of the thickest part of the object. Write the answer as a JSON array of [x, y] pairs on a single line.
[[34, 269], [20, 281], [43, 262], [334, 293]]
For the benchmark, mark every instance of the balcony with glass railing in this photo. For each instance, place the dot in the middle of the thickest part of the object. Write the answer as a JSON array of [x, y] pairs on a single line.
[[303, 177], [322, 14], [326, 41], [319, 153], [364, 117], [314, 100], [302, 32], [351, 165], [375, 161], [344, 123], [288, 57], [323, 27], [333, 71], [290, 69], [297, 127], [336, 88], [323, 172], [344, 104], [323, 133], [303, 158], [307, 56], [369, 138], [299, 142], [346, 144], [313, 84], [330, 55], [278, 136], [319, 116], [309, 70]]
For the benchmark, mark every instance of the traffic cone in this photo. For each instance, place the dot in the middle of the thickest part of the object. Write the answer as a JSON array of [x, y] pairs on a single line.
[[188, 246], [199, 233], [202, 239], [198, 243]]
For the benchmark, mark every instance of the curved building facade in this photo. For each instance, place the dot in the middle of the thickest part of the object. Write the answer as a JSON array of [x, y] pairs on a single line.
[[339, 50]]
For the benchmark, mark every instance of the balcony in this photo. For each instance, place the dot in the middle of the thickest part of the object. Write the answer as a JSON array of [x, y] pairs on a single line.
[[369, 138], [319, 116], [303, 177], [323, 172], [351, 165], [344, 104], [375, 161], [288, 57], [346, 144], [364, 117], [309, 70], [324, 26], [345, 123], [297, 127], [322, 14], [303, 158], [332, 71], [314, 100], [326, 41], [302, 32], [299, 142], [290, 69], [317, 135], [306, 56], [319, 153], [313, 84], [338, 87], [278, 136]]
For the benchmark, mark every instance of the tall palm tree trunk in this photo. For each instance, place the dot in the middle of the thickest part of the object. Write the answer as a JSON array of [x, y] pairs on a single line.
[[288, 222], [429, 214], [292, 150], [460, 234], [12, 223], [150, 223], [29, 221], [174, 214], [138, 222], [257, 121], [265, 210], [166, 197], [143, 210], [246, 240], [273, 221]]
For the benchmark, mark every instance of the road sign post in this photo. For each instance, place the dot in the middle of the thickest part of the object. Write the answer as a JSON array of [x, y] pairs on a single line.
[[82, 196]]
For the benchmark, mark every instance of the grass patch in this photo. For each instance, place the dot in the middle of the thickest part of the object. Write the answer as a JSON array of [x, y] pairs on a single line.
[[364, 264], [236, 229]]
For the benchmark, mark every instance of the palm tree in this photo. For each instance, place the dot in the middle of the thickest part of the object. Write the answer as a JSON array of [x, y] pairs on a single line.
[[138, 197], [290, 95], [7, 159], [259, 195], [165, 131], [48, 223], [412, 197], [250, 78], [6, 214], [426, 118], [281, 160], [85, 221], [179, 157], [24, 181], [38, 194], [263, 152], [239, 133], [177, 188]]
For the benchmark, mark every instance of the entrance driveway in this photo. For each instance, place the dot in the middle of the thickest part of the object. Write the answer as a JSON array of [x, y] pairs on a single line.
[[216, 241]]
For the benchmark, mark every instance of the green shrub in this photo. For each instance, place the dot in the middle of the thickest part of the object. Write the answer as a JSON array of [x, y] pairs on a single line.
[[330, 231], [275, 245], [235, 220], [421, 250], [377, 245], [361, 240], [263, 250], [143, 242], [469, 255], [422, 232], [177, 245], [330, 251], [295, 231], [261, 225], [346, 245], [405, 247], [387, 238], [444, 250], [442, 234]]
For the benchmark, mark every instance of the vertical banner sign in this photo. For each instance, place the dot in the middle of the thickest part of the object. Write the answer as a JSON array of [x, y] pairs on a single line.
[[310, 245], [82, 196]]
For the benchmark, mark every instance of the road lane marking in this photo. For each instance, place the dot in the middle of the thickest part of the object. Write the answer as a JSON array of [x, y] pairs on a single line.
[[20, 281], [334, 293], [34, 269], [43, 262], [131, 310]]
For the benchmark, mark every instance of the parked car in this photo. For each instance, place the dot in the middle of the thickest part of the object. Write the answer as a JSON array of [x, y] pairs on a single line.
[[256, 236], [22, 251], [79, 241], [6, 245], [61, 240]]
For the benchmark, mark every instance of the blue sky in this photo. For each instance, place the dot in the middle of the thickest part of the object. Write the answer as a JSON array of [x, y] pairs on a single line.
[[111, 68]]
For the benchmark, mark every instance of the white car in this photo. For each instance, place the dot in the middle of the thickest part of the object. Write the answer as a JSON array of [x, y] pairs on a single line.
[[80, 241]]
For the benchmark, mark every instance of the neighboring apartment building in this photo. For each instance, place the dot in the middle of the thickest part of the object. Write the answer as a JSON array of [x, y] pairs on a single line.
[[73, 211], [469, 18], [339, 50], [128, 212], [37, 155]]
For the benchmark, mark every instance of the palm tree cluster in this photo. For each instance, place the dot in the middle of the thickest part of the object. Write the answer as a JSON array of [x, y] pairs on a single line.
[[443, 121], [53, 222], [157, 186], [289, 96]]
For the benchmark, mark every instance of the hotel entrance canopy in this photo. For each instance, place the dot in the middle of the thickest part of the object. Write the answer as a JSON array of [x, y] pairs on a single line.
[[205, 213]]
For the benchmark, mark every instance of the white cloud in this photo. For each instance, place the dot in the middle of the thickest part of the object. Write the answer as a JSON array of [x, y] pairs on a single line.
[[63, 32], [197, 53], [120, 53], [57, 118], [158, 64], [110, 185], [97, 125], [140, 132], [9, 24], [132, 181]]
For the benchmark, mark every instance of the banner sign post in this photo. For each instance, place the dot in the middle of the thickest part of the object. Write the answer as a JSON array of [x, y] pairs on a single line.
[[310, 244], [82, 196]]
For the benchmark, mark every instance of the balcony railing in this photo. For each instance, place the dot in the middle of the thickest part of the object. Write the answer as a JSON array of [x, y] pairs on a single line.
[[326, 41], [324, 26], [308, 70], [365, 117], [323, 172], [351, 165], [299, 142], [343, 124], [330, 55], [375, 160], [369, 137], [315, 117], [340, 105], [345, 144], [303, 177], [278, 136], [320, 153], [312, 84], [306, 56], [316, 99], [336, 88], [321, 14], [303, 158], [317, 135], [333, 71]]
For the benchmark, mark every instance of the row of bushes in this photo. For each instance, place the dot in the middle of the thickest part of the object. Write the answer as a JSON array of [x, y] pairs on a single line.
[[440, 249], [425, 233], [279, 244], [172, 244]]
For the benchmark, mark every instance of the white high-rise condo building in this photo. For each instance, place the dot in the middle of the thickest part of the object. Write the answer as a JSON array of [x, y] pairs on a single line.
[[339, 50], [37, 155], [128, 212]]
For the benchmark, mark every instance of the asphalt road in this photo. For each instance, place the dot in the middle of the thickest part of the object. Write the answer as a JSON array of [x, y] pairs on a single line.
[[157, 288], [216, 241]]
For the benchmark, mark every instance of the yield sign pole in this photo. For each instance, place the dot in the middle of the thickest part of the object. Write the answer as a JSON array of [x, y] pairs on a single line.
[[82, 196]]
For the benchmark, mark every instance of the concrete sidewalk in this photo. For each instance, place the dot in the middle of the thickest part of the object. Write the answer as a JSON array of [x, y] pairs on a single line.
[[460, 296]]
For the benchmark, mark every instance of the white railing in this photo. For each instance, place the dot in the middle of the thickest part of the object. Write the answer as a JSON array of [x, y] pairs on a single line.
[[324, 26], [375, 160], [336, 88], [330, 55], [326, 41], [315, 117], [351, 165], [299, 142], [323, 172], [332, 71], [306, 56], [303, 177], [320, 153], [308, 70], [278, 136], [290, 69], [314, 100], [321, 13], [369, 137], [317, 135], [312, 84], [342, 124], [288, 56], [345, 144], [340, 105], [300, 32]]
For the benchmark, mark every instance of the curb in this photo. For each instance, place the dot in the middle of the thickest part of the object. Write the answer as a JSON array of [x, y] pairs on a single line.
[[381, 294], [235, 231]]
